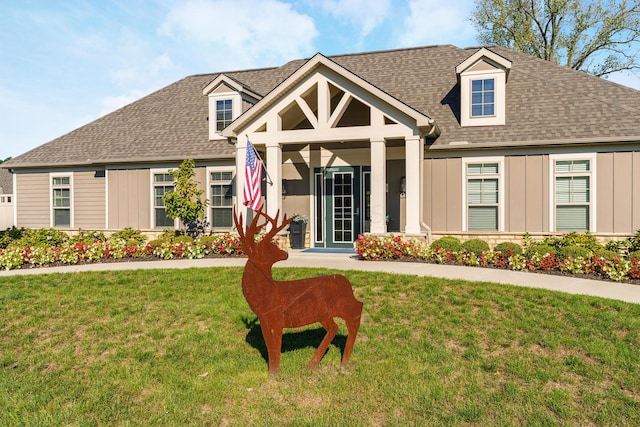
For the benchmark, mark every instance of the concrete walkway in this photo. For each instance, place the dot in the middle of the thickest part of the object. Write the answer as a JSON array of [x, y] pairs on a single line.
[[297, 258]]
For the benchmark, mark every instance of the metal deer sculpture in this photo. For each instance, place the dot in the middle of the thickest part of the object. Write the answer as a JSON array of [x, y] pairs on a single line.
[[295, 303]]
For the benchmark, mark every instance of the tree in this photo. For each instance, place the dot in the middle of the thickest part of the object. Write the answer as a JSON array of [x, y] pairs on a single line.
[[596, 36], [185, 201]]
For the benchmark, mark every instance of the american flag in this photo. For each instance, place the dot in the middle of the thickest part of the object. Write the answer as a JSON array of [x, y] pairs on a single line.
[[252, 179]]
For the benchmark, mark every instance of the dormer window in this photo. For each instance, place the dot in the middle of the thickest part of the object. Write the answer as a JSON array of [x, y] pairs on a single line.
[[483, 77], [224, 113], [482, 98]]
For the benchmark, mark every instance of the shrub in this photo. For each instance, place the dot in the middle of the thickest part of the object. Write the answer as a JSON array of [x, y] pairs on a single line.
[[619, 246], [574, 251], [42, 236], [584, 240], [634, 242], [476, 246], [88, 237], [634, 255], [182, 239], [448, 243], [130, 234], [606, 254], [9, 235], [508, 248], [541, 249]]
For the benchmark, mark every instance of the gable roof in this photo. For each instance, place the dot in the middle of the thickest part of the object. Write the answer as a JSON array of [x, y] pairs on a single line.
[[6, 181], [546, 104]]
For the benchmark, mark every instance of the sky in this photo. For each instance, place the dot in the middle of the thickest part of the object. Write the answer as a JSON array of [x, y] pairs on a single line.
[[65, 63]]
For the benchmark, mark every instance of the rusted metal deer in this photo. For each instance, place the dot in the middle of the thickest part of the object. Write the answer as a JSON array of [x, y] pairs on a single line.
[[295, 303]]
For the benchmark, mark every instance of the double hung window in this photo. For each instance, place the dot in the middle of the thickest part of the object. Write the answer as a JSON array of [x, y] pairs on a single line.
[[482, 98], [221, 187], [572, 182], [224, 113], [162, 183], [483, 195], [61, 200]]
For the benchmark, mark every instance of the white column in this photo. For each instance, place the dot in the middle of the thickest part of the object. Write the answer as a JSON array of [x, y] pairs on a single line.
[[413, 163], [378, 186], [241, 157], [274, 190]]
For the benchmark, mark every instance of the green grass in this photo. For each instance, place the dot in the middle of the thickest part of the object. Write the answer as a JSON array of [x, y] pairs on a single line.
[[181, 347]]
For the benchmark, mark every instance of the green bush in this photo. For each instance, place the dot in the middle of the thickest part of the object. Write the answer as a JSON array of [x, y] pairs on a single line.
[[634, 242], [539, 248], [607, 254], [42, 236], [575, 252], [88, 237], [508, 248], [583, 240], [130, 234], [634, 255], [476, 246], [448, 243], [182, 239], [9, 235]]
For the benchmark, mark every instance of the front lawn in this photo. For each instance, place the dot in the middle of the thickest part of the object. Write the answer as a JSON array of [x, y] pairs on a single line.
[[181, 347]]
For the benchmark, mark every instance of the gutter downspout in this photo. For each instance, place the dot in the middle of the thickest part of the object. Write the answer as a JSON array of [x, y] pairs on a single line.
[[434, 131]]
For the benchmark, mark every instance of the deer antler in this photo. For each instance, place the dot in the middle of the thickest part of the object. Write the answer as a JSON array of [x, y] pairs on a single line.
[[275, 228], [247, 238]]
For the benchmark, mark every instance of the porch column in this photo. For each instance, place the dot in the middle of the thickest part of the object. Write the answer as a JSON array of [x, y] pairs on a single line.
[[274, 168], [378, 186], [413, 163], [241, 157]]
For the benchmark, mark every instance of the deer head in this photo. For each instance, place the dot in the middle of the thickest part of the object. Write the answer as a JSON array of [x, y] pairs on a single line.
[[264, 251]]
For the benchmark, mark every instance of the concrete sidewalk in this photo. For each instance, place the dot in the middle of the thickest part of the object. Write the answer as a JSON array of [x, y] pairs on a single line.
[[298, 258]]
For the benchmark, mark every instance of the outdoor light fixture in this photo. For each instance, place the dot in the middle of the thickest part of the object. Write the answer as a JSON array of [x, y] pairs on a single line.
[[284, 187], [403, 184]]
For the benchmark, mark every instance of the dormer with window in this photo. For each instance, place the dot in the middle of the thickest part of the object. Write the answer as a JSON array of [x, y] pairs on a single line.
[[483, 78], [227, 100]]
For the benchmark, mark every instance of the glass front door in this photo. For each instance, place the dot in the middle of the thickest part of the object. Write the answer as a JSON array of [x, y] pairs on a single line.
[[338, 214]]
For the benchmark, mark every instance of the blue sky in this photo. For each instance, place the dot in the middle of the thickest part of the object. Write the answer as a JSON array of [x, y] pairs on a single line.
[[65, 63]]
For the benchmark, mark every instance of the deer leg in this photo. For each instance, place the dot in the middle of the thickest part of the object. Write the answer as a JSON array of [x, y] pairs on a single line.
[[353, 325], [332, 328], [273, 341]]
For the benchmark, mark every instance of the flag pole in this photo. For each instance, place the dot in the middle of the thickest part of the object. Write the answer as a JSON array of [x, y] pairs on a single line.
[[270, 182]]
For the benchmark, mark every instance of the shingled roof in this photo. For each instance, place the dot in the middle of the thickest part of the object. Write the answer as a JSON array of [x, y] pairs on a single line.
[[6, 181], [546, 104]]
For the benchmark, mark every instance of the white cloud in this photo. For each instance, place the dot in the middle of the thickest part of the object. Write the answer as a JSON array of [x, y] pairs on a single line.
[[365, 14], [243, 33], [438, 22]]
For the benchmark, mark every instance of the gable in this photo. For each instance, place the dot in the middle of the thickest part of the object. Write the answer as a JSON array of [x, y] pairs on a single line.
[[323, 101]]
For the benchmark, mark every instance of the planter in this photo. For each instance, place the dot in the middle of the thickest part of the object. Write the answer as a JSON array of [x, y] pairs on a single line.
[[298, 232]]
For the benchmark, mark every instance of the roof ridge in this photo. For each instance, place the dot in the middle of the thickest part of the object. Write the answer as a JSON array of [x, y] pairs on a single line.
[[401, 49]]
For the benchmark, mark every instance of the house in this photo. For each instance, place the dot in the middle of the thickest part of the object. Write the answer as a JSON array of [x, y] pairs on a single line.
[[6, 199], [476, 142]]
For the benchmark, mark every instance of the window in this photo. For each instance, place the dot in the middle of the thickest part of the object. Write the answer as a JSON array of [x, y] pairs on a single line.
[[221, 186], [482, 98], [61, 201], [224, 113], [162, 183], [483, 194], [572, 189]]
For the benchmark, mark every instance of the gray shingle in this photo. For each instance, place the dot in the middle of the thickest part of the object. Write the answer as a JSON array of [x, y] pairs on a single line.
[[545, 102]]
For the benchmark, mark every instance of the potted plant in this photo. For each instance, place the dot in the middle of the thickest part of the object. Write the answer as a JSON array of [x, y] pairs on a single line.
[[298, 231]]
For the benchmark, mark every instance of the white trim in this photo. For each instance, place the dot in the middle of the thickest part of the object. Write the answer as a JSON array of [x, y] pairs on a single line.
[[592, 187], [15, 199], [501, 189], [152, 201], [499, 78], [106, 198], [234, 190], [71, 198]]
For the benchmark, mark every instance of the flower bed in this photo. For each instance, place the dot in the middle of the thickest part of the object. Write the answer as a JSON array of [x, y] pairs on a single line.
[[43, 249], [617, 267]]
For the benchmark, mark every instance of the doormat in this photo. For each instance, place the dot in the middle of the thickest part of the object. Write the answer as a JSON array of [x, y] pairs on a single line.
[[331, 250]]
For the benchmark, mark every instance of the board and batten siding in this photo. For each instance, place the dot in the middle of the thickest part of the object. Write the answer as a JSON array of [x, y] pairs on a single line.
[[527, 193], [33, 204], [618, 192], [129, 198], [442, 192], [89, 200]]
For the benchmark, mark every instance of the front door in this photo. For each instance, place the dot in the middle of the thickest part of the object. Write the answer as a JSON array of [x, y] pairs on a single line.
[[338, 214]]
